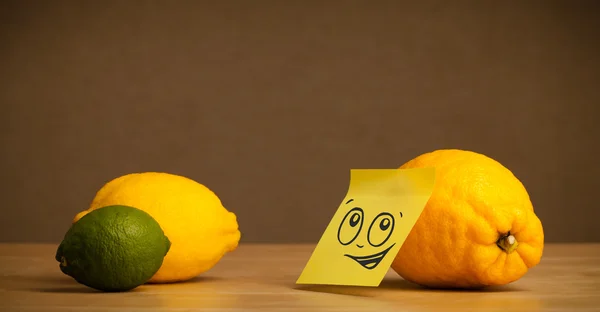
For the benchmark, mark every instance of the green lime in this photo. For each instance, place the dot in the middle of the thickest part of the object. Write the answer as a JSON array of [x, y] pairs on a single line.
[[114, 248]]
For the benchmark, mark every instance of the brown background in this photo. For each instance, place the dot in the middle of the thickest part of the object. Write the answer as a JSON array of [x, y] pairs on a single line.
[[270, 103]]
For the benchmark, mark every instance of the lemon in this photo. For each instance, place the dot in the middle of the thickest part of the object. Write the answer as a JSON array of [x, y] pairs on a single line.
[[200, 228], [478, 228], [115, 248]]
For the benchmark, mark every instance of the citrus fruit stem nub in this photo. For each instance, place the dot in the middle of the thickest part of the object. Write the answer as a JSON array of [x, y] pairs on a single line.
[[507, 242], [63, 261]]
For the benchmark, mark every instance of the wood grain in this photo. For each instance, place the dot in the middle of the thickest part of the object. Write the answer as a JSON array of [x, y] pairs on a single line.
[[262, 278]]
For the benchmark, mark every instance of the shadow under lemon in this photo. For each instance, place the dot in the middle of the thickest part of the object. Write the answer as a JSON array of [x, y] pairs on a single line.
[[506, 297], [409, 294], [398, 284]]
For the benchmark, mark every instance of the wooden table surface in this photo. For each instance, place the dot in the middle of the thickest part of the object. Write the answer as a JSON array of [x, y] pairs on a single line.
[[262, 278]]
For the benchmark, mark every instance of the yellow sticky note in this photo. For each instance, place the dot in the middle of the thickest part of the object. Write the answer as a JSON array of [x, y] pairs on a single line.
[[369, 227]]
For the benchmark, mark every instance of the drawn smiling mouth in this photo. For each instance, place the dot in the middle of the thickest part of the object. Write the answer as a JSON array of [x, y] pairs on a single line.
[[370, 262]]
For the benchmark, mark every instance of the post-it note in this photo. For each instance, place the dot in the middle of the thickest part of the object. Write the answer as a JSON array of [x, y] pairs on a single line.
[[369, 227]]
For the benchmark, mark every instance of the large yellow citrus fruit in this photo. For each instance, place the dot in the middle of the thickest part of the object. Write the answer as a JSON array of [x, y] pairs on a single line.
[[478, 227], [200, 229]]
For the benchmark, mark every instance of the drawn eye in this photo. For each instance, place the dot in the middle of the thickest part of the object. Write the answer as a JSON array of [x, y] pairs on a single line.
[[381, 229], [351, 226]]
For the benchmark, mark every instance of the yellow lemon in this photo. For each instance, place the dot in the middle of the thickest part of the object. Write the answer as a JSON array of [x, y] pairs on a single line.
[[200, 229], [477, 229]]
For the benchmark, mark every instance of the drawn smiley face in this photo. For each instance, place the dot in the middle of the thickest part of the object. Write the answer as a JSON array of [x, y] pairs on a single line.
[[377, 235]]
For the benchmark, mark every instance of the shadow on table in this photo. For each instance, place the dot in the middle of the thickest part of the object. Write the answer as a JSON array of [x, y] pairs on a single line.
[[358, 291], [394, 285], [44, 283], [197, 279], [66, 284], [74, 289], [401, 284]]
